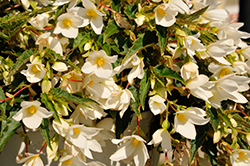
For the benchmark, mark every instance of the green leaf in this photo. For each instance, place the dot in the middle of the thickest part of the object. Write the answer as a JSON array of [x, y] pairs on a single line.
[[80, 40], [196, 14], [59, 93], [52, 54], [211, 150], [144, 87], [122, 44], [8, 128], [215, 119], [48, 103], [198, 141], [131, 10], [225, 118], [144, 41], [20, 61], [104, 45], [3, 104], [44, 127], [111, 29], [69, 62], [135, 103], [167, 72], [241, 121], [116, 5], [162, 33]]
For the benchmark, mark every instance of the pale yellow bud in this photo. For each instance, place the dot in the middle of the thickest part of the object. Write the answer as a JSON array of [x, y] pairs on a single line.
[[46, 86], [233, 122], [217, 136]]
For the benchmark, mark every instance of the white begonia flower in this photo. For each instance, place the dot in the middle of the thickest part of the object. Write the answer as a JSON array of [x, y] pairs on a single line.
[[215, 15], [245, 51], [73, 81], [228, 87], [199, 87], [34, 73], [162, 136], [184, 121], [179, 5], [64, 42], [40, 21], [71, 160], [241, 67], [59, 66], [219, 71], [240, 157], [120, 101], [156, 104], [189, 70], [91, 15], [165, 15], [45, 40], [133, 147], [72, 3], [139, 16], [32, 114], [68, 24], [219, 50], [99, 63], [30, 160], [192, 44]]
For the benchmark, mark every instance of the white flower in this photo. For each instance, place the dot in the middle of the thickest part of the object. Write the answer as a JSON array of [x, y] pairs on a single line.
[[99, 63], [184, 121], [179, 5], [92, 15], [216, 15], [59, 66], [72, 3], [241, 67], [165, 15], [162, 136], [245, 51], [40, 21], [68, 25], [219, 71], [73, 81], [140, 17], [133, 147], [46, 86], [240, 157], [30, 160], [156, 104], [71, 160], [45, 40], [34, 73], [32, 114], [189, 70], [192, 44]]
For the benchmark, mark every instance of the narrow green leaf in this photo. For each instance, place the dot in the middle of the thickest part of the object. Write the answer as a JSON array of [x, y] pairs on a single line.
[[167, 72], [241, 121], [52, 54], [162, 33], [69, 62], [215, 119], [8, 128], [20, 61], [116, 5], [144, 87], [131, 10], [3, 104], [145, 40], [225, 118], [196, 14], [44, 128], [135, 103], [104, 45], [59, 93], [48, 103], [111, 29], [80, 40]]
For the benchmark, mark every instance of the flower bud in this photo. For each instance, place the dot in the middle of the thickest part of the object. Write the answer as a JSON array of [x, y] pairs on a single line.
[[46, 86], [59, 66]]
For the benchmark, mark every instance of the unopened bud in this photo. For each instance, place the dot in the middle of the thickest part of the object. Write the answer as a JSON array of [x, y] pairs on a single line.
[[46, 86]]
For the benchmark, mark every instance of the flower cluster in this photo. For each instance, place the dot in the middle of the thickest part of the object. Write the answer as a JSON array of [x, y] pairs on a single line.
[[88, 70]]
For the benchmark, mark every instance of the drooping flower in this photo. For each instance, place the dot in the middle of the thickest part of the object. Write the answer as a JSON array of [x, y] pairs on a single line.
[[165, 15], [68, 24], [30, 160], [179, 5], [40, 21], [133, 147], [72, 3], [193, 44], [59, 66], [189, 70], [34, 73], [32, 114], [240, 157], [99, 63], [156, 104], [184, 121], [73, 81], [71, 160]]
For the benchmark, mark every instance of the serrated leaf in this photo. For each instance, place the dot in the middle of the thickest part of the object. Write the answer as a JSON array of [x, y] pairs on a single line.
[[104, 45], [60, 93], [215, 119], [116, 5], [44, 128], [241, 121], [122, 43], [196, 14], [49, 105], [131, 10], [167, 72], [144, 87], [135, 103], [145, 40], [52, 54], [20, 61], [225, 118], [162, 33], [8, 128], [80, 40], [111, 29]]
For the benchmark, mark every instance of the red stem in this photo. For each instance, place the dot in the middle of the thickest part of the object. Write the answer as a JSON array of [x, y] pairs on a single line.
[[171, 106], [16, 34], [14, 94], [138, 124], [107, 7], [34, 31], [44, 145], [47, 28], [127, 85]]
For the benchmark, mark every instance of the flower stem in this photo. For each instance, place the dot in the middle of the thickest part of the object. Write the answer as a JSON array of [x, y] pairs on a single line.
[[171, 106], [107, 7], [44, 145], [14, 94]]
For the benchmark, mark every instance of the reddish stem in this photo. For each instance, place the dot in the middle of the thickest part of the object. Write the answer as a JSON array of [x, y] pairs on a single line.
[[149, 1], [166, 157], [107, 7], [47, 28], [68, 78], [127, 85], [34, 31], [44, 145], [138, 124], [14, 94], [171, 106], [16, 34]]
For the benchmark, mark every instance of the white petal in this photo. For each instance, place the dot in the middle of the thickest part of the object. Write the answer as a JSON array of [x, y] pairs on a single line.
[[33, 121], [124, 151], [166, 141], [187, 130], [141, 154], [97, 24], [59, 66], [44, 113]]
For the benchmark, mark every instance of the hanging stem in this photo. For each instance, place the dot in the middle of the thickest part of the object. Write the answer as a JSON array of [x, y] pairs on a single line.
[[107, 7], [14, 94], [44, 145], [171, 106]]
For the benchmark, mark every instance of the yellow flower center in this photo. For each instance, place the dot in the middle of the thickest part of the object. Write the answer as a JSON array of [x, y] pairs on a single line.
[[76, 130], [67, 22], [68, 162], [241, 155], [182, 117], [99, 61], [224, 72], [43, 41], [161, 11], [91, 82], [135, 142], [91, 13], [35, 68], [31, 109]]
